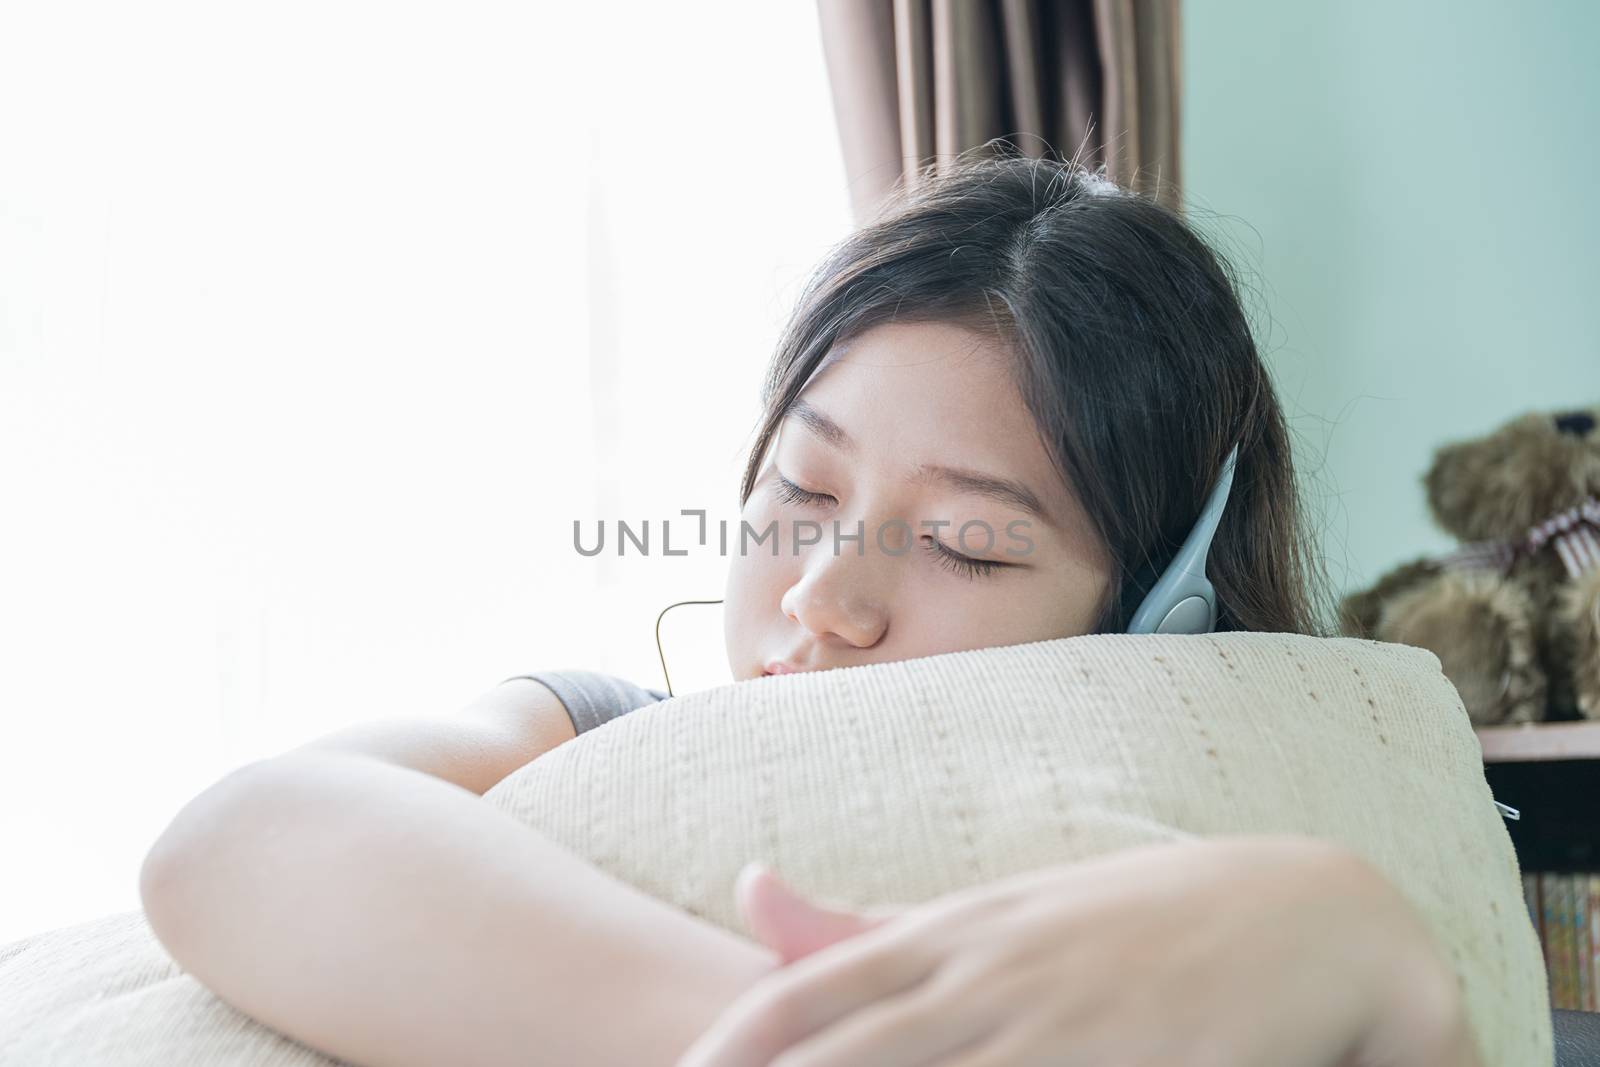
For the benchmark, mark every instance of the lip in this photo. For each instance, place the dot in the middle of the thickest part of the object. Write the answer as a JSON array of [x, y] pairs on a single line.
[[779, 667]]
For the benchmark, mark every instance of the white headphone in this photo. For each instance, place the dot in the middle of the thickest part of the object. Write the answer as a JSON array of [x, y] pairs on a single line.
[[1183, 600]]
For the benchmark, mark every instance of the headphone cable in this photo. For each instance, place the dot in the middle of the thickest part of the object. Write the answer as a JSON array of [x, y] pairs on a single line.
[[662, 654]]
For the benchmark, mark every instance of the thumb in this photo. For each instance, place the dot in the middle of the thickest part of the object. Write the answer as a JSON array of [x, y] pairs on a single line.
[[789, 924]]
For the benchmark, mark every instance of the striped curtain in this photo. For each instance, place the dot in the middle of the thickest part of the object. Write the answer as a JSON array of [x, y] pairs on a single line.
[[917, 82]]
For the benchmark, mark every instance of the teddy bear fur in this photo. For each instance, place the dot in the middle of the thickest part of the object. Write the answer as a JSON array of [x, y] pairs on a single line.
[[1523, 645]]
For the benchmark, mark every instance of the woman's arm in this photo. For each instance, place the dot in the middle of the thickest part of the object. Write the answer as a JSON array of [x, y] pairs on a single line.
[[1254, 950], [503, 729], [355, 894], [384, 916]]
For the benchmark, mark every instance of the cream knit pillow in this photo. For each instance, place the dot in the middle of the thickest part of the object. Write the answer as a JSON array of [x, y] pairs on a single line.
[[895, 783]]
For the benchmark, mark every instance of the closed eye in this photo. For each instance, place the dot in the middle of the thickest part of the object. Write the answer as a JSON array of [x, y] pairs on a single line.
[[793, 494], [946, 557], [955, 562]]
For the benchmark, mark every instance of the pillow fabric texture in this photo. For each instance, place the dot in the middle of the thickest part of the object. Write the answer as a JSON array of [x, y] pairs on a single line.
[[894, 783]]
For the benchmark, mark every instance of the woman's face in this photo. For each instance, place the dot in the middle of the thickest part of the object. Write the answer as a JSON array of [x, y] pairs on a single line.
[[906, 438]]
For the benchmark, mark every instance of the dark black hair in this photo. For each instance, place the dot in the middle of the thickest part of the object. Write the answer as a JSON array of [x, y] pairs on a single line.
[[1133, 354]]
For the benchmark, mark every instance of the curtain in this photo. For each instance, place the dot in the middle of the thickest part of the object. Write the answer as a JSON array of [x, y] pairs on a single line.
[[917, 82]]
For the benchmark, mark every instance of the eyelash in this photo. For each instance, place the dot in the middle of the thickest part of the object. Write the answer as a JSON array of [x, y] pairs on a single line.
[[790, 493], [950, 560], [963, 565]]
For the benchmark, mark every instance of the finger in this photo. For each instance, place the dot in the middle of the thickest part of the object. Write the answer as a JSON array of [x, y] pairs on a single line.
[[917, 1028], [790, 1004], [789, 924]]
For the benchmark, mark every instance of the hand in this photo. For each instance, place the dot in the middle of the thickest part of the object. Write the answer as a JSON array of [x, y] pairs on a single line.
[[1245, 951]]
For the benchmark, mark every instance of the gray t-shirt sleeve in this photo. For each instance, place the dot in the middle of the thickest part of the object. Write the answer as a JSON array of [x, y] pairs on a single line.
[[593, 699]]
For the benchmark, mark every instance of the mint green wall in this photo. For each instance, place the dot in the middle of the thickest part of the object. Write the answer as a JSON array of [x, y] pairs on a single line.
[[1411, 191]]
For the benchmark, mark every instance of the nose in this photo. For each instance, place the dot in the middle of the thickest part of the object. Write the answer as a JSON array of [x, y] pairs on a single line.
[[837, 596], [1577, 423]]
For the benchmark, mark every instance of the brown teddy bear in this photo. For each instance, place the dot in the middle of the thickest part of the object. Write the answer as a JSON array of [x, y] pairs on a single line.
[[1513, 614]]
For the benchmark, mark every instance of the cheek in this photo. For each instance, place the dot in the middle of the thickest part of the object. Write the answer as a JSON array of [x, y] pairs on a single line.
[[752, 600], [1068, 604], [942, 614]]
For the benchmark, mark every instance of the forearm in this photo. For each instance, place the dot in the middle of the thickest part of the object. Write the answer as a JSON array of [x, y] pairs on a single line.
[[502, 730], [1402, 996], [1418, 1000], [387, 917]]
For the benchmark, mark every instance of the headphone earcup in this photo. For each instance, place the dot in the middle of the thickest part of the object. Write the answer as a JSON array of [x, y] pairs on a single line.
[[1183, 600], [1193, 614]]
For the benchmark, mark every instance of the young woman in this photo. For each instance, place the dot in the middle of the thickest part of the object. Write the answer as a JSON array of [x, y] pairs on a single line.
[[1018, 347]]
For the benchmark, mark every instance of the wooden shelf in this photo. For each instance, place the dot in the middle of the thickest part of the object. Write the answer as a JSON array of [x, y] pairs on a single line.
[[1538, 742]]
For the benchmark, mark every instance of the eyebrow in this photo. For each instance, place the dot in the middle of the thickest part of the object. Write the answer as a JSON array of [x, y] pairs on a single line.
[[820, 425], [1000, 490]]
